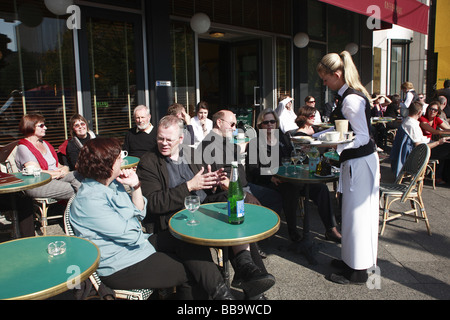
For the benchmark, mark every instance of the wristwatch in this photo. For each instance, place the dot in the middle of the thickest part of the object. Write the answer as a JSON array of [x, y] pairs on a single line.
[[136, 186]]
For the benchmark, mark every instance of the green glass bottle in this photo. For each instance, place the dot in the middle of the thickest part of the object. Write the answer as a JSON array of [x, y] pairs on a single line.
[[236, 212]]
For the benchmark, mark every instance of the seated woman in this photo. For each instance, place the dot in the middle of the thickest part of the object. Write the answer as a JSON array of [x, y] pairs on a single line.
[[433, 127], [267, 123], [106, 214], [305, 122], [80, 135], [34, 151]]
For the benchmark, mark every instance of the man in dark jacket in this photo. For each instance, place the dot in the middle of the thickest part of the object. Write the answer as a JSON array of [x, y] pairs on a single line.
[[168, 176]]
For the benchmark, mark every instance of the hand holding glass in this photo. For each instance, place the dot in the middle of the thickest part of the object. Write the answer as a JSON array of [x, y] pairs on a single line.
[[192, 203]]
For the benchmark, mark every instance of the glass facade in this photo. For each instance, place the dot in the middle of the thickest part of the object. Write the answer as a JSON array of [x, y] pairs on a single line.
[[112, 66], [183, 64], [37, 72]]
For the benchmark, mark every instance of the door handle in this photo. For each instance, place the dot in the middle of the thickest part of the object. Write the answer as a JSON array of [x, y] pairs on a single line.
[[256, 100]]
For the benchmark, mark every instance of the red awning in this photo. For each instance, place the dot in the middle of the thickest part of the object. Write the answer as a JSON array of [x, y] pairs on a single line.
[[410, 14]]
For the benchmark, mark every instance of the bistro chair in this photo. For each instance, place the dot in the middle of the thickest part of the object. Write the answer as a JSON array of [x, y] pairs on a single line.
[[133, 294], [431, 171], [407, 187]]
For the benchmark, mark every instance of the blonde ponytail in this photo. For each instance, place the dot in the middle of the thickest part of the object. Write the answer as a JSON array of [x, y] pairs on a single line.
[[333, 62]]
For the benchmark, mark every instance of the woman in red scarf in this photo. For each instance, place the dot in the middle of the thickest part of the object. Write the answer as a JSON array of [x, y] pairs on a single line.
[[34, 151]]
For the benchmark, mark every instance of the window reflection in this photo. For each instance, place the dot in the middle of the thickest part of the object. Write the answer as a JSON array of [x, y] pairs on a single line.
[[36, 69]]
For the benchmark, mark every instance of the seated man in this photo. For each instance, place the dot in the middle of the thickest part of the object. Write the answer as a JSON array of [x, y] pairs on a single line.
[[168, 176], [141, 138], [218, 151]]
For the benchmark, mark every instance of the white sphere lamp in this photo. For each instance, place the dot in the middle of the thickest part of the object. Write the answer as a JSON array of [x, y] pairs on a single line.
[[352, 48], [58, 7], [200, 22], [301, 40]]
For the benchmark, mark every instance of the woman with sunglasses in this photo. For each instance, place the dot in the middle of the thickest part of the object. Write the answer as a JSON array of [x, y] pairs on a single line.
[[305, 122], [33, 151], [431, 124], [268, 126], [80, 135]]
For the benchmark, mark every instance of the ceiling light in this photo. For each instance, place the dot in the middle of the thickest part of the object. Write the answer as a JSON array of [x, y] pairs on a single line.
[[217, 34]]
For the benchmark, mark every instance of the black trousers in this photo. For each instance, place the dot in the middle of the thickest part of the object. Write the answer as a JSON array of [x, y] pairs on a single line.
[[175, 264], [318, 193]]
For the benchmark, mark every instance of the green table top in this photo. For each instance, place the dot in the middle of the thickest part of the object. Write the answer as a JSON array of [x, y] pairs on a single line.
[[29, 272], [129, 162], [214, 229], [29, 182], [303, 175]]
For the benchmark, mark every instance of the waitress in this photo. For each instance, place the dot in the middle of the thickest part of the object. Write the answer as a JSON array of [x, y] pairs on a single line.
[[360, 171]]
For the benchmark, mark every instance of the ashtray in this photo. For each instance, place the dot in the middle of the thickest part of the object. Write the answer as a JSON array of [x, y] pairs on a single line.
[[56, 248]]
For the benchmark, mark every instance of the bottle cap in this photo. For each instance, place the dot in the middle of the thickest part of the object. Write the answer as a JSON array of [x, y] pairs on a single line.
[[234, 163]]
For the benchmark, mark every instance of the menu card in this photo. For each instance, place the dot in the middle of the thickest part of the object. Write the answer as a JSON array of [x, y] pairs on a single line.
[[6, 179]]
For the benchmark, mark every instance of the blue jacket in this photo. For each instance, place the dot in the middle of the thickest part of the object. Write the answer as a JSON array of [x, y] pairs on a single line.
[[106, 216], [401, 148]]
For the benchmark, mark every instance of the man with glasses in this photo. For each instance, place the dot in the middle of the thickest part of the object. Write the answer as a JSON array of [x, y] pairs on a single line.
[[168, 175], [141, 138]]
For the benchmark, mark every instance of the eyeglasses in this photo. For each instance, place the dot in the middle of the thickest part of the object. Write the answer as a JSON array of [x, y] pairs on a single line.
[[269, 121], [232, 124], [314, 101], [433, 110], [41, 125], [81, 124]]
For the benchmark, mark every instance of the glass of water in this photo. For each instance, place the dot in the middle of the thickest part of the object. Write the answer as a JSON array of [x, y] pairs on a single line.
[[192, 203]]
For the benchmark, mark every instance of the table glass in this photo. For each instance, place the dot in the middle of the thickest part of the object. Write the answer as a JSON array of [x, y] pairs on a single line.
[[214, 230], [29, 272], [129, 162]]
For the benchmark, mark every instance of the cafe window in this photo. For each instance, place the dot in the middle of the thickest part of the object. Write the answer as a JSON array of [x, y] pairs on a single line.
[[37, 72], [183, 65], [398, 66], [284, 66]]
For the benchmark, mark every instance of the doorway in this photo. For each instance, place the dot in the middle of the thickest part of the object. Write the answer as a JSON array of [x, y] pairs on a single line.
[[230, 75]]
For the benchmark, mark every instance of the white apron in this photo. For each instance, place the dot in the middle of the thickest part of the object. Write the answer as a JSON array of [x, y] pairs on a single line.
[[359, 184]]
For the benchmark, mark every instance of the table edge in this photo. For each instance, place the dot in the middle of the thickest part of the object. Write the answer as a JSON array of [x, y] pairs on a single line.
[[60, 288], [23, 188], [226, 242]]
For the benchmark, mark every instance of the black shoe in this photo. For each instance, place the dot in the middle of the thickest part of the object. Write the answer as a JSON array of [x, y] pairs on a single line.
[[223, 293], [253, 281], [259, 297], [358, 277]]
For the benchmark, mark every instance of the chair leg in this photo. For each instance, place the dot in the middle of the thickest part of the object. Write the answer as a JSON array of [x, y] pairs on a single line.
[[385, 214], [44, 210]]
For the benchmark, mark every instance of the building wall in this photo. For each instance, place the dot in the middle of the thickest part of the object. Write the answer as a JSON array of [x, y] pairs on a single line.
[[442, 42]]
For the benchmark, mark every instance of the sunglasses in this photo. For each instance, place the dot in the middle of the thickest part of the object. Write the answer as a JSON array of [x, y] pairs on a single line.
[[314, 101], [42, 125], [81, 124], [269, 121], [434, 110], [232, 124]]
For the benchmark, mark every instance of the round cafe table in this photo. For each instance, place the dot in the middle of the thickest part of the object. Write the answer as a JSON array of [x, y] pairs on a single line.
[[129, 162], [304, 177], [28, 272], [28, 182], [214, 230]]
